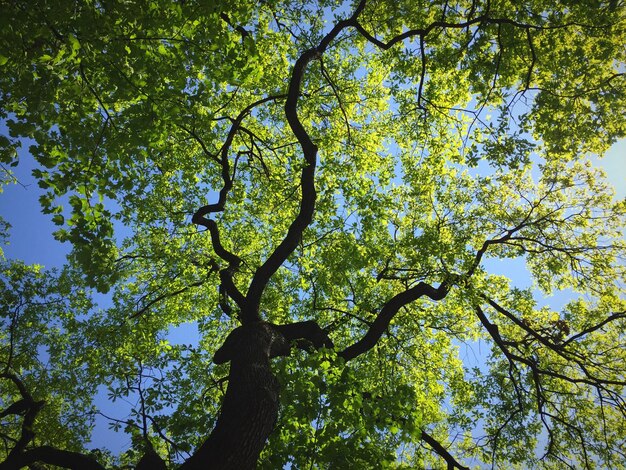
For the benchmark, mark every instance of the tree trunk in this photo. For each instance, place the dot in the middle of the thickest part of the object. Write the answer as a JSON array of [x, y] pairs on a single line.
[[250, 407]]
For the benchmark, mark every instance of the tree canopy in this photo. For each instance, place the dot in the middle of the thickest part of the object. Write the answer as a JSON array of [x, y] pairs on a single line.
[[324, 190]]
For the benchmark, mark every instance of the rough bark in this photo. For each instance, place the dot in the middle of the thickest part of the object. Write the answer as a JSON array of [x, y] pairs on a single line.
[[250, 407]]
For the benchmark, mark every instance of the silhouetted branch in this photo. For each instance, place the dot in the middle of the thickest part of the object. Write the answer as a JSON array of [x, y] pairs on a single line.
[[307, 178], [26, 406], [306, 334], [388, 311], [199, 217], [442, 451], [19, 457], [52, 456]]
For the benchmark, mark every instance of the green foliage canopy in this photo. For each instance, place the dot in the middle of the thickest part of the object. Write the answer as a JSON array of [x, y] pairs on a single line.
[[359, 165]]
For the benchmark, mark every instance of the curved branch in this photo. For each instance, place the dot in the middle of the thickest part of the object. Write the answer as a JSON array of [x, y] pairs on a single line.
[[591, 329], [442, 451], [305, 334], [388, 311], [307, 178], [52, 456], [19, 458], [30, 408], [166, 295], [200, 216], [307, 181], [423, 32], [532, 363]]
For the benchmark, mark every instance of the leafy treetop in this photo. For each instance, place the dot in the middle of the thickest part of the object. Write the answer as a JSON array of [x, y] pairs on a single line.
[[349, 173]]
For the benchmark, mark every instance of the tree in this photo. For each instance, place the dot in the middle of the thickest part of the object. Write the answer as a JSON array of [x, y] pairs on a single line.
[[325, 190]]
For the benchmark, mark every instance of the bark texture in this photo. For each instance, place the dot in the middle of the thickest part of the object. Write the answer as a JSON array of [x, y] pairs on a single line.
[[250, 407]]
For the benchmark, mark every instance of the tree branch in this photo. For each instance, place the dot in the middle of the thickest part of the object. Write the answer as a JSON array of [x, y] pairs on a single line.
[[307, 178], [388, 311], [423, 32], [199, 217], [19, 457], [166, 295], [30, 408], [309, 331], [591, 329], [52, 456], [442, 451]]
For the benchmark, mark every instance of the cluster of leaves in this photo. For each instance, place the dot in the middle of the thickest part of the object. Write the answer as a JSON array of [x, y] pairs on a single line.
[[40, 343], [425, 138]]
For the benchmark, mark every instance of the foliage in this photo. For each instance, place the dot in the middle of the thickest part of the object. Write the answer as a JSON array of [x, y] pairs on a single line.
[[363, 165]]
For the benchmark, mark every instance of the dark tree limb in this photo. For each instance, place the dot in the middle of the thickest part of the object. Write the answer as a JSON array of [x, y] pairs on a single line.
[[388, 311], [547, 342], [306, 333], [20, 456], [307, 178], [18, 408], [307, 181], [443, 452], [591, 329], [224, 161], [250, 406], [164, 296], [604, 387], [541, 392], [52, 456], [563, 349], [27, 406], [233, 260], [200, 216], [479, 20]]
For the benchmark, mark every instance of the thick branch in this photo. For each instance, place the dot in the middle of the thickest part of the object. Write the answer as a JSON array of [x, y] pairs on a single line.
[[442, 451], [387, 313], [307, 178], [306, 332], [19, 457], [52, 456], [30, 408]]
